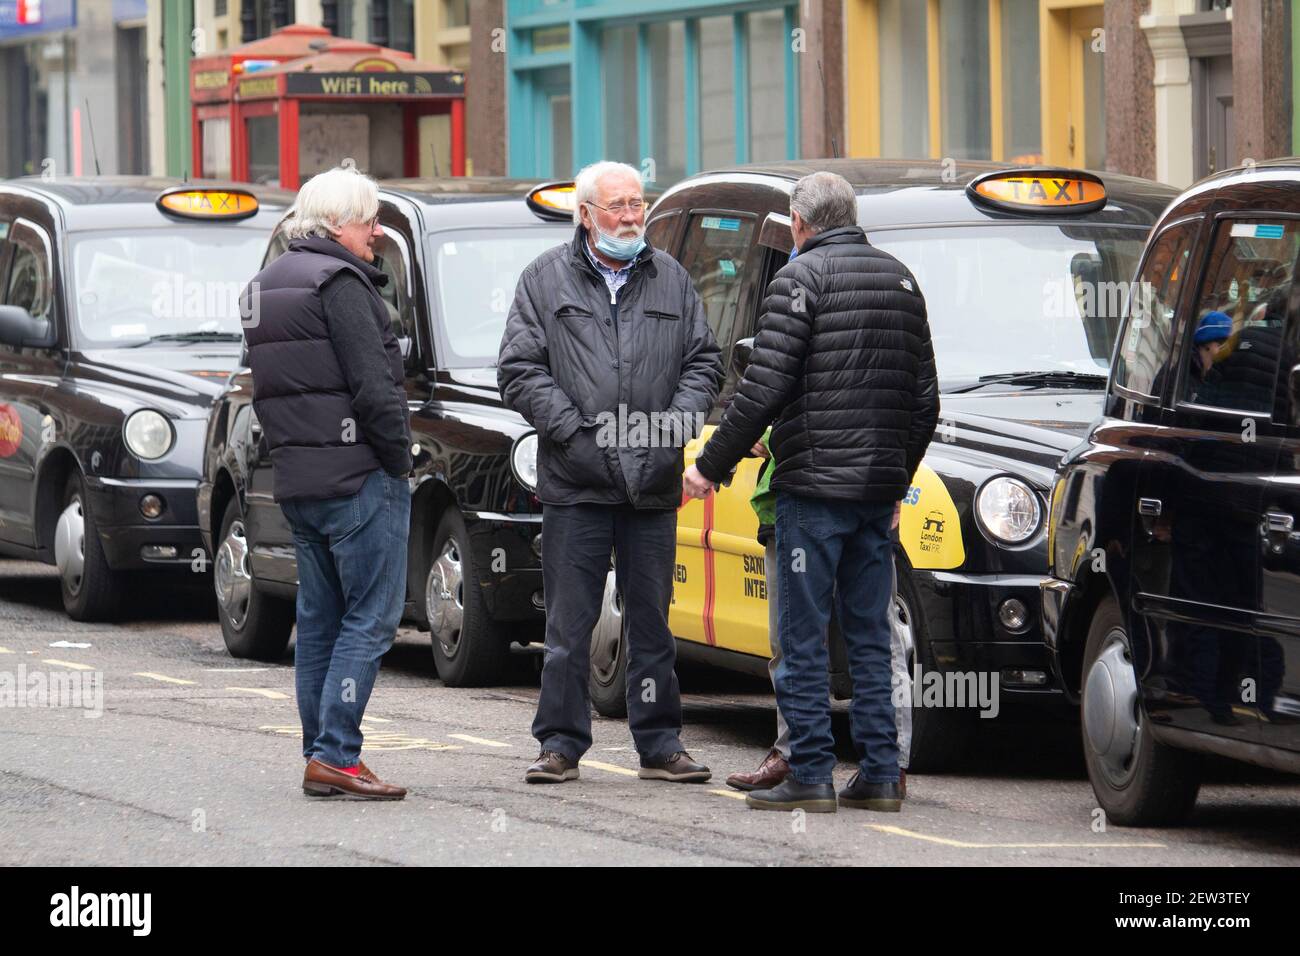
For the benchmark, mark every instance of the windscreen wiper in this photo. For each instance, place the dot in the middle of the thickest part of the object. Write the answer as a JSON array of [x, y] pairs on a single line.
[[191, 337], [1045, 378]]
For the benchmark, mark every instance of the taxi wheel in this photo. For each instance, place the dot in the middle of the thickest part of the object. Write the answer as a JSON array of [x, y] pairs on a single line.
[[254, 625], [940, 736], [469, 648], [1137, 780], [91, 589], [608, 681]]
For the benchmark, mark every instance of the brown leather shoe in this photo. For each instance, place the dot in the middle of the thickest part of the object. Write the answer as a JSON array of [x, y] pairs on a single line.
[[770, 772], [551, 767], [678, 768], [322, 780]]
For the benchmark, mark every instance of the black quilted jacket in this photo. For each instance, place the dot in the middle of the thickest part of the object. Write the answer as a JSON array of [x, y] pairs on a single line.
[[843, 365]]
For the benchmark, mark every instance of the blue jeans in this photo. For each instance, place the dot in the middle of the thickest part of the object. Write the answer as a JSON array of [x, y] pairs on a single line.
[[821, 544], [351, 589]]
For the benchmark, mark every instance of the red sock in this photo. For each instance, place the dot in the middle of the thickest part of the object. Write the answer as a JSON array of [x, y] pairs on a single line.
[[350, 771]]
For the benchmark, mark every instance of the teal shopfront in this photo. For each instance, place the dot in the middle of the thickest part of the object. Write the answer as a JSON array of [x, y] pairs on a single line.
[[669, 86]]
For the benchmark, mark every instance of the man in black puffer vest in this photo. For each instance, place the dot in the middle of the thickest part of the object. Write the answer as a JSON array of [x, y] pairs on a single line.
[[843, 365], [328, 391]]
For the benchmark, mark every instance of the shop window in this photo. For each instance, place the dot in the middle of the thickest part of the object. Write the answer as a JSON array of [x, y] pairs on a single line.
[[767, 42], [619, 83], [667, 42], [964, 79], [1022, 135], [717, 93], [904, 79]]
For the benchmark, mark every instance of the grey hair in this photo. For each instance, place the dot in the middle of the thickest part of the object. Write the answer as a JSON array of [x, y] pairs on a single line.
[[335, 198], [584, 184], [824, 201]]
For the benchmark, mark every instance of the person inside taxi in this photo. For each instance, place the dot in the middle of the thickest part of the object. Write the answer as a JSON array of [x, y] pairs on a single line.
[[603, 325], [844, 366]]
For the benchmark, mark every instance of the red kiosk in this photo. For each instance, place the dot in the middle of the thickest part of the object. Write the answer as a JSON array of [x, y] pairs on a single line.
[[302, 101]]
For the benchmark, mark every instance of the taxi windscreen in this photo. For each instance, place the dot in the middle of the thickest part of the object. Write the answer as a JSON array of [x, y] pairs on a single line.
[[475, 274], [1027, 297], [134, 287]]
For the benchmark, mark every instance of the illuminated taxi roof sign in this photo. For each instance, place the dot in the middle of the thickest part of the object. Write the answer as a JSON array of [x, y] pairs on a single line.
[[196, 203], [1039, 191], [552, 200]]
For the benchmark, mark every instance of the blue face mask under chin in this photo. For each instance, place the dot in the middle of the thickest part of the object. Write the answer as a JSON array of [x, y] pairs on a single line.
[[623, 250]]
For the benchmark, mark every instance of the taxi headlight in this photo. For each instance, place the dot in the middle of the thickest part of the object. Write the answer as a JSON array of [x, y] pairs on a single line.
[[148, 434], [523, 459], [1008, 510]]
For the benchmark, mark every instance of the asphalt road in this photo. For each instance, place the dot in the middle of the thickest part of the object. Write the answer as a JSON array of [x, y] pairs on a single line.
[[195, 761]]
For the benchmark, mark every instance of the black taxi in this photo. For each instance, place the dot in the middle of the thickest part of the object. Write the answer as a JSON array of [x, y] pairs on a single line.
[[1018, 268], [119, 323], [453, 250], [1172, 613]]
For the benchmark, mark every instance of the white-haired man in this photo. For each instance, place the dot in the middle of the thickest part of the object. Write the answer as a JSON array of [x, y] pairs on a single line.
[[606, 331], [327, 389]]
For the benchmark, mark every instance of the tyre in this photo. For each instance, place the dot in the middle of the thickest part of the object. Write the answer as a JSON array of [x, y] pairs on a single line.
[[255, 625], [608, 682], [941, 736], [91, 589], [1137, 780], [469, 648]]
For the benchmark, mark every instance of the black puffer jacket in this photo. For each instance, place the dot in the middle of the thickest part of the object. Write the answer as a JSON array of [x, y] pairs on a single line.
[[576, 366], [843, 364]]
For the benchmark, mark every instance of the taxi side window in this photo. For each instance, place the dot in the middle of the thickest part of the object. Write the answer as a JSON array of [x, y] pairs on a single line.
[[278, 246], [715, 253], [1148, 338], [392, 259], [31, 281], [1235, 336], [661, 233]]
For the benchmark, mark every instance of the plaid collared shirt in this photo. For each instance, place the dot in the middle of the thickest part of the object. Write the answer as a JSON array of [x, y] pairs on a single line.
[[615, 279]]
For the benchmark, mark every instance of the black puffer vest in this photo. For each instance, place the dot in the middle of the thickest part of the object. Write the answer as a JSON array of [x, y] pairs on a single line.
[[300, 394]]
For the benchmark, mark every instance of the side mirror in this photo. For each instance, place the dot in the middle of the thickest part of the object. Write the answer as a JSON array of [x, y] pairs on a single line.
[[20, 330], [740, 353]]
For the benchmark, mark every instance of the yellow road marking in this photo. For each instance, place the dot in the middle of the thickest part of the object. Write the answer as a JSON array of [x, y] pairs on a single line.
[[734, 794], [262, 691], [75, 667], [5, 650], [162, 677], [962, 844], [377, 720], [611, 768], [374, 740], [482, 741]]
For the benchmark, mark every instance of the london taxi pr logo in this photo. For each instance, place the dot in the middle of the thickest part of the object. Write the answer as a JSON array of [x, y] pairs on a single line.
[[76, 909], [11, 431]]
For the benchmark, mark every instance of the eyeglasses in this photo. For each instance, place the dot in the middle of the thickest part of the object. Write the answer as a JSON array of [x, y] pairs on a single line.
[[618, 208]]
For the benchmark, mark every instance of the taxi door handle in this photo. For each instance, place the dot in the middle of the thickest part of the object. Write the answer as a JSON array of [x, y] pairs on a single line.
[[1150, 507]]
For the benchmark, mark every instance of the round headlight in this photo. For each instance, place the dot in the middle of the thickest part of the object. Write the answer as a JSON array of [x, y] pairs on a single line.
[[524, 461], [148, 434], [1008, 510]]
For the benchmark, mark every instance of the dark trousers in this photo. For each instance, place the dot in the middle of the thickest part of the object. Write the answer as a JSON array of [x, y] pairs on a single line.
[[821, 545], [576, 545], [351, 588]]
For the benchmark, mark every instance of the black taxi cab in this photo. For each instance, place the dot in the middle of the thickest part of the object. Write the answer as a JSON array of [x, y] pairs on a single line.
[[1172, 613], [1017, 267], [119, 323], [453, 250]]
